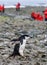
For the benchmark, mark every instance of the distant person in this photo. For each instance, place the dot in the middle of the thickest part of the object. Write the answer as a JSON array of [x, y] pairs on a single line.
[[45, 14], [2, 8], [17, 6], [37, 16], [34, 15]]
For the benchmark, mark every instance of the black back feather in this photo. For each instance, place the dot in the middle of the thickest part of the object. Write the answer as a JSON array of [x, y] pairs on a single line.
[[15, 51]]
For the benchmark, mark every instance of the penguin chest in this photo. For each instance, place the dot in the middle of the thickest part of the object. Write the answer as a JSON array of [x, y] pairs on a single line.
[[22, 47]]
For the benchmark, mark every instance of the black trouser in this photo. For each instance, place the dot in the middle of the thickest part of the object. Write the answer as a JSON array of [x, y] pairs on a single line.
[[17, 9], [45, 19]]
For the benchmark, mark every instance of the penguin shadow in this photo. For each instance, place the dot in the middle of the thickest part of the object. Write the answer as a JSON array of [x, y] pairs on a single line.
[[17, 57]]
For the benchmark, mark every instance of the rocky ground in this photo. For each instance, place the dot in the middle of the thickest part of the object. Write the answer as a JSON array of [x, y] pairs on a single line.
[[36, 47]]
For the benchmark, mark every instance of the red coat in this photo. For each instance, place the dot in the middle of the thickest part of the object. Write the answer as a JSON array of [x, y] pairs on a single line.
[[34, 15], [40, 18], [1, 8], [37, 16], [45, 13], [18, 5]]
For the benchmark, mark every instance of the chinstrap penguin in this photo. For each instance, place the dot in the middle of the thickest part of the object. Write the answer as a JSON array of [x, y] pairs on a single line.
[[19, 48]]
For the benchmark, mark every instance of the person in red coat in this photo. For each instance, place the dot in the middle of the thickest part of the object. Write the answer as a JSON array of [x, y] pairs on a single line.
[[45, 14], [17, 6], [34, 15], [2, 8], [37, 16]]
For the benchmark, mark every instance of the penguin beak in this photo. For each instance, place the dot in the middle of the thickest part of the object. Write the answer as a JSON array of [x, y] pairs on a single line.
[[30, 37]]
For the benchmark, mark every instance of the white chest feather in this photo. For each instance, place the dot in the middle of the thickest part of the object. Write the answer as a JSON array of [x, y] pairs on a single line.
[[22, 47]]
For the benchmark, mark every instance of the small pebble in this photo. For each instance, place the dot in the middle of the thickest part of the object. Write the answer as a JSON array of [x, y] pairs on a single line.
[[43, 56]]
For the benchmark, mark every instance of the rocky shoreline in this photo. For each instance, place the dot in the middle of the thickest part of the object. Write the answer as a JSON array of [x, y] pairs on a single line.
[[36, 47]]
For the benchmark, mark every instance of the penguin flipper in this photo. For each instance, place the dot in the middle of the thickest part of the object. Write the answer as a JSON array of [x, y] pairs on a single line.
[[14, 40]]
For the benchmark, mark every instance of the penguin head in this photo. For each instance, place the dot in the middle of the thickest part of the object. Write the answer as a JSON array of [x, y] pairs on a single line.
[[26, 37]]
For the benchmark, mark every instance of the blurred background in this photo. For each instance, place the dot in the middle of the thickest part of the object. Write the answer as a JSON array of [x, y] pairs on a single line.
[[24, 2]]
